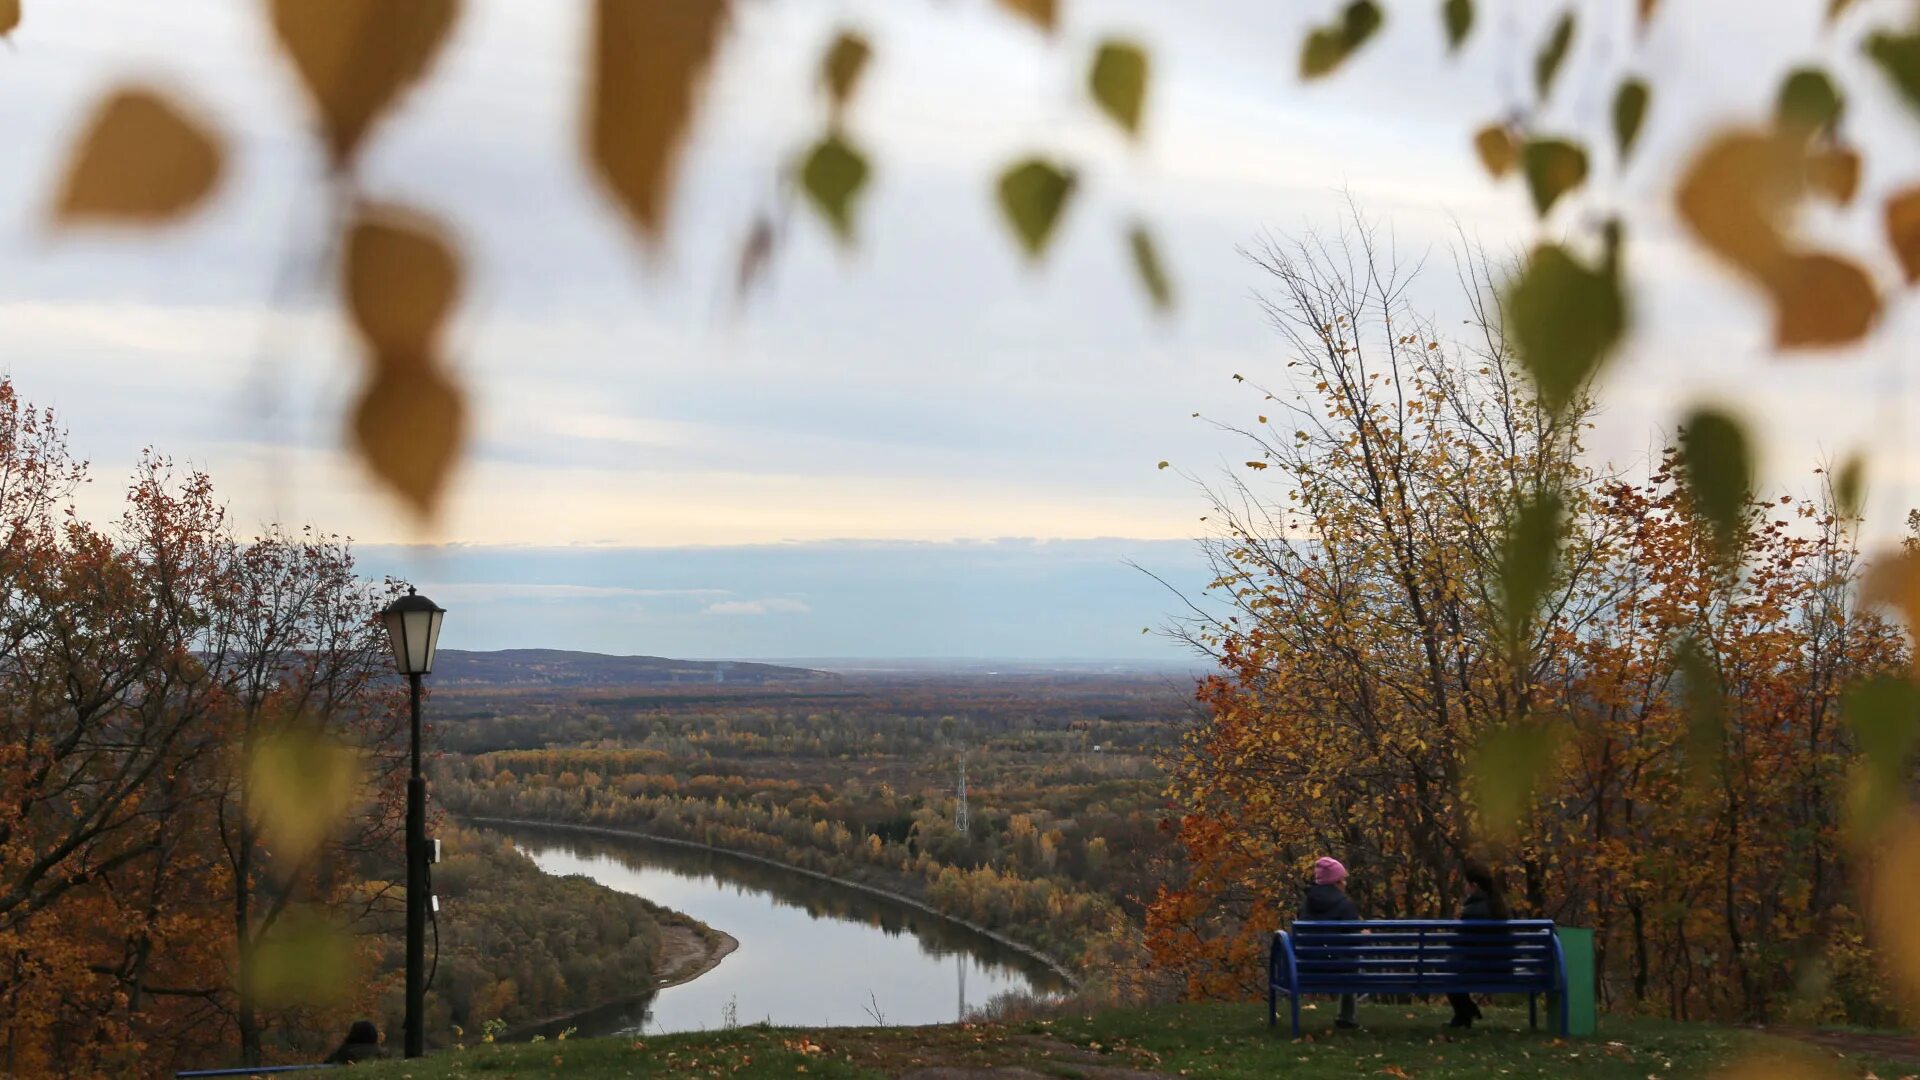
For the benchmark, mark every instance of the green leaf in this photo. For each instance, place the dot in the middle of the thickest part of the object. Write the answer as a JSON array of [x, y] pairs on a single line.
[[1808, 103], [1527, 562], [1566, 317], [1504, 771], [1629, 113], [1458, 15], [1546, 66], [1884, 715], [304, 960], [1118, 81], [1554, 167], [833, 176], [1146, 262], [1327, 47], [841, 68], [1032, 195], [1898, 56], [1717, 467], [1706, 707], [302, 783], [1850, 487]]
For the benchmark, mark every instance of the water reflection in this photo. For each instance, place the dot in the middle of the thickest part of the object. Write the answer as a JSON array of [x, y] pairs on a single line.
[[811, 952]]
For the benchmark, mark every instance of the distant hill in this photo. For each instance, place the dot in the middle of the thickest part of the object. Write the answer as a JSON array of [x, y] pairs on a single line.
[[564, 668]]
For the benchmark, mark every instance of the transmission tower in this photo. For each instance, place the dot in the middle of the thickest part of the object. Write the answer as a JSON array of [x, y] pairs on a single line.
[[960, 798]]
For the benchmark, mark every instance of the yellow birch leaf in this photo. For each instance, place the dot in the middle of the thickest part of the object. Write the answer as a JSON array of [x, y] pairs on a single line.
[[1495, 145], [1118, 82], [1903, 230], [1896, 880], [356, 58], [141, 160], [402, 277], [1822, 300], [302, 783], [1044, 14], [845, 62], [409, 425], [1835, 173], [649, 65]]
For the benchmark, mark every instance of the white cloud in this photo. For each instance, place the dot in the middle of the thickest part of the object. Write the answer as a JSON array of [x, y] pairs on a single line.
[[773, 605], [480, 592]]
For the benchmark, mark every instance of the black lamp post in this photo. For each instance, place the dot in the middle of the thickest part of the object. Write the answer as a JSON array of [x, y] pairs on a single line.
[[413, 628]]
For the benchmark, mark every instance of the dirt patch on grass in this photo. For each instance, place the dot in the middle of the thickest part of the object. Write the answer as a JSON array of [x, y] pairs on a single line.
[[1890, 1045]]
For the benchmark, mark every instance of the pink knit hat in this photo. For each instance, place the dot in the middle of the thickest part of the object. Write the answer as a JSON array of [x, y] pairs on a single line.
[[1328, 871]]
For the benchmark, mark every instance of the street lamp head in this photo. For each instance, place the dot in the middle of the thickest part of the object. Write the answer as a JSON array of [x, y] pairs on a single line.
[[413, 629]]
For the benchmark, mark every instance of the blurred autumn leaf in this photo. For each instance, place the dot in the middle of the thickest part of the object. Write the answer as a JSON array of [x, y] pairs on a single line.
[[1717, 468], [833, 176], [1554, 167], [1327, 47], [409, 424], [1527, 559], [1032, 195], [1565, 318], [845, 62], [1629, 113], [9, 16], [141, 159], [1850, 486], [356, 57], [1118, 82], [1893, 580], [1497, 150], [302, 783], [401, 278], [1734, 197], [1553, 53], [1706, 712], [1146, 263], [1884, 715], [1895, 873], [1044, 14], [1808, 103], [1835, 173], [1504, 770], [305, 961], [1898, 57], [649, 65], [1903, 230], [1457, 15]]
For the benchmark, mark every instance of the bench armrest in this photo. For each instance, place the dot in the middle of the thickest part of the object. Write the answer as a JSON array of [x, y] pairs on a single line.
[[1281, 969]]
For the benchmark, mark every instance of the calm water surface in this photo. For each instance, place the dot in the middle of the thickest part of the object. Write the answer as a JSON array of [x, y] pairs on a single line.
[[811, 952]]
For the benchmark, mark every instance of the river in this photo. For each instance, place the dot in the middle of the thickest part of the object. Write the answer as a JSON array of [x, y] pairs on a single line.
[[811, 952]]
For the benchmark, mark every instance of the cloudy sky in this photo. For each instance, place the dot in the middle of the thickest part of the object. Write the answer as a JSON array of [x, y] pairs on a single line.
[[919, 447]]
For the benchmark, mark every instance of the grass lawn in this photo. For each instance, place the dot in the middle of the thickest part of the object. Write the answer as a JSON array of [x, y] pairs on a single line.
[[1182, 1040]]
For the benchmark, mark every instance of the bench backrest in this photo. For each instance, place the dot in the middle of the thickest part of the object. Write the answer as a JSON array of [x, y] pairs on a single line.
[[1404, 955]]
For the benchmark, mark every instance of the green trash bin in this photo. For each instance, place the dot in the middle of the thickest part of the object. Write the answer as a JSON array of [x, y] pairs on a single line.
[[1576, 945]]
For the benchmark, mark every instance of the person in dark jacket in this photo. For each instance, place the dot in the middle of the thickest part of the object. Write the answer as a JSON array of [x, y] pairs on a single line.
[[1485, 901], [1327, 901], [362, 1044]]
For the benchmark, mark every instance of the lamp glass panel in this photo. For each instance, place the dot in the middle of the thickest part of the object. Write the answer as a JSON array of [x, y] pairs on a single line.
[[432, 641], [397, 638], [419, 655]]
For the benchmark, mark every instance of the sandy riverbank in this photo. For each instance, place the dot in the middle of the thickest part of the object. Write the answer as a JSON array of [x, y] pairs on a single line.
[[686, 953]]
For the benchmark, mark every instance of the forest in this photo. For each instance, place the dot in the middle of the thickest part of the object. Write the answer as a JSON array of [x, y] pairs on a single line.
[[1669, 714], [202, 750], [1064, 841]]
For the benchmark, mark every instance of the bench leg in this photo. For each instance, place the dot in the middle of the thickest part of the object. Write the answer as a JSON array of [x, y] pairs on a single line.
[[1533, 1012], [1566, 1020], [1273, 1004], [1294, 998]]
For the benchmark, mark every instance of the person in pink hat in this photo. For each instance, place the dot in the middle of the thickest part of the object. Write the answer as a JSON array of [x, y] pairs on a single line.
[[1327, 901]]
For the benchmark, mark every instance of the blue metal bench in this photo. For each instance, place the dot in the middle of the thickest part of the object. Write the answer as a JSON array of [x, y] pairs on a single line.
[[1514, 956]]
